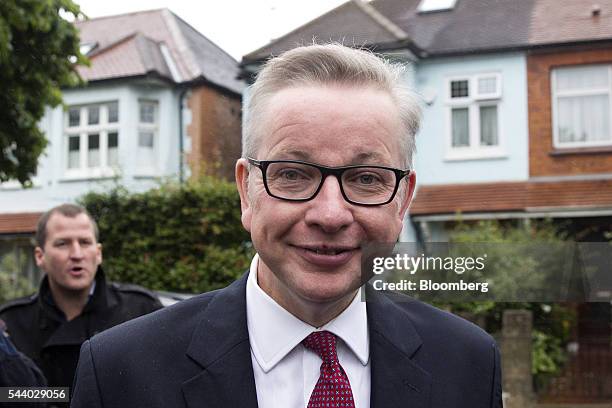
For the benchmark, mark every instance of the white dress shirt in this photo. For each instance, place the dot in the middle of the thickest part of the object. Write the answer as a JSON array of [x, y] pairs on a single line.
[[285, 371]]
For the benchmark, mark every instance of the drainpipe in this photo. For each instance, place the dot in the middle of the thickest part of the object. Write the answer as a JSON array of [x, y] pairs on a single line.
[[180, 133]]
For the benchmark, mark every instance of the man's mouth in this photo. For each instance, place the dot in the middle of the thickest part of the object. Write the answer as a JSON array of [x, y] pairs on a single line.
[[327, 251], [327, 256]]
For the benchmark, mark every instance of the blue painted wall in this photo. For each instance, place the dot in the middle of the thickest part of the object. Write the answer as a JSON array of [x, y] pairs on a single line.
[[432, 164]]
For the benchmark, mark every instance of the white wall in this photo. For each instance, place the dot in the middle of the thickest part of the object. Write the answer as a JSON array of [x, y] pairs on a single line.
[[52, 187]]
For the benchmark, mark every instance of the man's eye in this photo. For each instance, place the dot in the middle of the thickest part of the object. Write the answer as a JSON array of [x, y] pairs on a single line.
[[367, 179], [290, 175]]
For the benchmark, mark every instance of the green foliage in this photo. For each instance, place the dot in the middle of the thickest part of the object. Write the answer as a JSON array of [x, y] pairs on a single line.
[[38, 51], [12, 285], [185, 239], [552, 321]]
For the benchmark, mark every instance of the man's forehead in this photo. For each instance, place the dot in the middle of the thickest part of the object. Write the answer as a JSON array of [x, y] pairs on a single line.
[[59, 223]]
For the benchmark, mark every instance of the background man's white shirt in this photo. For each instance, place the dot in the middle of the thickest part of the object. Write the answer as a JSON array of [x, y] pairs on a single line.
[[285, 371]]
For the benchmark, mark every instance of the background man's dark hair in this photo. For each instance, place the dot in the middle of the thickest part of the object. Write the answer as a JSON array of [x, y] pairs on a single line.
[[67, 210]]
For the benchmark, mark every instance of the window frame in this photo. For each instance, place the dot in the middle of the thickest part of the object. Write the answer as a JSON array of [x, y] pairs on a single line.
[[554, 95], [148, 170], [473, 102], [103, 128]]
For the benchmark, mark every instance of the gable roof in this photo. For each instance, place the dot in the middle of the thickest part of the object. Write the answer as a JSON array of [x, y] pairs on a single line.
[[154, 42], [353, 23], [471, 26]]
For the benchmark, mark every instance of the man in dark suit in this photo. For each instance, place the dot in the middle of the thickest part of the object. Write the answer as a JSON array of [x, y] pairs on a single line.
[[327, 149], [74, 300]]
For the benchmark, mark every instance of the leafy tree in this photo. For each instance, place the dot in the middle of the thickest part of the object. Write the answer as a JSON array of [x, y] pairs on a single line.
[[38, 52]]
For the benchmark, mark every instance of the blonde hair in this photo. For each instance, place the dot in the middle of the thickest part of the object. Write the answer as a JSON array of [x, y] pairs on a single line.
[[332, 64]]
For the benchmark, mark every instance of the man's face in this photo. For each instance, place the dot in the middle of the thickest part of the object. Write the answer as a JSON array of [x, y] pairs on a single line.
[[71, 254], [310, 251]]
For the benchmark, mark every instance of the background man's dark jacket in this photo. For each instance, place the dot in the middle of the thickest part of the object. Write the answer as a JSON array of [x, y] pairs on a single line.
[[40, 330], [197, 354]]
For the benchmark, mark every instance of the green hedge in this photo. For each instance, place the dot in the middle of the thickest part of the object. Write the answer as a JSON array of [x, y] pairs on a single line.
[[175, 238]]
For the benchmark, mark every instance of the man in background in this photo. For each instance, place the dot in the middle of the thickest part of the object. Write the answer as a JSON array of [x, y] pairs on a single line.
[[74, 301]]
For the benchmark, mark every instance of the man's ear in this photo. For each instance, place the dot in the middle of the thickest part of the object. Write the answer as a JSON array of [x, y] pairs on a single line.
[[39, 256], [99, 254], [242, 183], [409, 192]]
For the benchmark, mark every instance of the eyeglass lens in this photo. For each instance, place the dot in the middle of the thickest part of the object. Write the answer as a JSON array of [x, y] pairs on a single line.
[[297, 181]]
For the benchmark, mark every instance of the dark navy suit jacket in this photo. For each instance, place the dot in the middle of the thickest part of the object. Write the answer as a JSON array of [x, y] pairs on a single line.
[[197, 354]]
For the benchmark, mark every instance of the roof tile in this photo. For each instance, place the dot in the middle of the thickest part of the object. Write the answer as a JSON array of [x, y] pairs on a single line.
[[18, 223], [511, 196]]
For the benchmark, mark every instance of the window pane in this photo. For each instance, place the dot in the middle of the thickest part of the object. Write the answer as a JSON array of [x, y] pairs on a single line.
[[73, 152], [93, 115], [113, 112], [145, 139], [459, 89], [146, 151], [74, 117], [113, 139], [435, 5], [93, 150], [583, 119], [582, 78], [487, 85], [488, 126], [113, 149], [460, 127], [147, 112]]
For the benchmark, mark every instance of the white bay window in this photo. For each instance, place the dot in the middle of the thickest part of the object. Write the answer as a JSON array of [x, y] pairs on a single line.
[[91, 140]]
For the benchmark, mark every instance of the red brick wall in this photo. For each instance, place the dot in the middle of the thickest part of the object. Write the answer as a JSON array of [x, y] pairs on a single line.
[[215, 131], [542, 158]]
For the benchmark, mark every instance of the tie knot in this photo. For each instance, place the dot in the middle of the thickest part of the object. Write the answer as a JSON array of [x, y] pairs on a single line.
[[324, 344]]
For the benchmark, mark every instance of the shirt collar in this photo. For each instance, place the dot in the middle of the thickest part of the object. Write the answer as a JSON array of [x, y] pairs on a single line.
[[274, 332]]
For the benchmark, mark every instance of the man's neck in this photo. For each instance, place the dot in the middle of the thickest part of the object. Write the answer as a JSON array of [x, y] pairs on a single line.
[[70, 302]]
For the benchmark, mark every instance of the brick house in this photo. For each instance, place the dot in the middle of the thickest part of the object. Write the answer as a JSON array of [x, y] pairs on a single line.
[[161, 101]]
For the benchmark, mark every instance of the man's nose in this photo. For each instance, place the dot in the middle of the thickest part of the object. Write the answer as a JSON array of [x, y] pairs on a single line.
[[76, 251], [329, 210]]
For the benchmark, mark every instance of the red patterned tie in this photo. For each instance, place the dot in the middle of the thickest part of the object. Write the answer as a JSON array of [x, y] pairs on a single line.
[[333, 388]]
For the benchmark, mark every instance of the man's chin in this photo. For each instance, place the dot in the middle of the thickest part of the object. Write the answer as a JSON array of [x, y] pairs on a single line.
[[329, 293], [76, 286]]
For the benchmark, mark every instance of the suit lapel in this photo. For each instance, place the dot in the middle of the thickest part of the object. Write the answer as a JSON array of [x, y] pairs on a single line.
[[397, 381], [220, 346]]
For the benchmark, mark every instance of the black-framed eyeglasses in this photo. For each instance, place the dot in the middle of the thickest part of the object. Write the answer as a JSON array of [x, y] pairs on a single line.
[[294, 180]]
